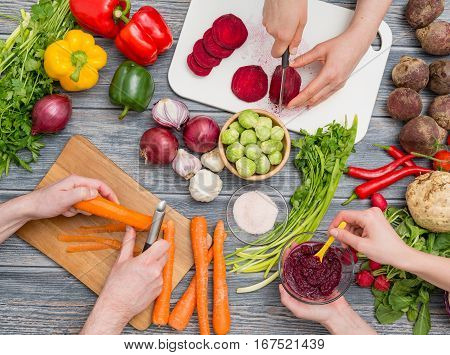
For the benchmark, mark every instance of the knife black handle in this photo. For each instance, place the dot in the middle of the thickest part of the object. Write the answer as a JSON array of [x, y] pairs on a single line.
[[285, 59]]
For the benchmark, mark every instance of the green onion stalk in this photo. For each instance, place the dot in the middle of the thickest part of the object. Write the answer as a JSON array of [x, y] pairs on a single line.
[[321, 161]]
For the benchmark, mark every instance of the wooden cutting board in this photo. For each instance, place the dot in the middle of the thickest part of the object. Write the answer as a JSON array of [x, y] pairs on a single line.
[[81, 157]]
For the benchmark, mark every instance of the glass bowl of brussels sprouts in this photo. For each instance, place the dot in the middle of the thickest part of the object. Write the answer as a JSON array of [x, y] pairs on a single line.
[[254, 144]]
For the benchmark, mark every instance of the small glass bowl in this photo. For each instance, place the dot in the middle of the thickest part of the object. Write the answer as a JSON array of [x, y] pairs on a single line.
[[280, 223], [345, 256]]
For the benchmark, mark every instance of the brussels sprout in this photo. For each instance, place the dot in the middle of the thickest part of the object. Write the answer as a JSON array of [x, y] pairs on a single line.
[[264, 121], [245, 167], [270, 146], [229, 136], [253, 151], [248, 137], [275, 158], [262, 165], [262, 132], [248, 119], [277, 133], [235, 152], [235, 125], [279, 145]]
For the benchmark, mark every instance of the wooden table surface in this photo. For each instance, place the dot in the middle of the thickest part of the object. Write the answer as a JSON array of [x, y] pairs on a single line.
[[39, 297]]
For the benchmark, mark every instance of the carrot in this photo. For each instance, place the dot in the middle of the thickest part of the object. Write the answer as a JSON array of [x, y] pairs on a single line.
[[106, 228], [184, 309], [102, 207], [221, 308], [110, 243], [199, 248], [86, 247], [161, 310]]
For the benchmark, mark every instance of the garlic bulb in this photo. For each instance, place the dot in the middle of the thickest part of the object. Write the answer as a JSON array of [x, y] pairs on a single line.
[[213, 161], [170, 113], [186, 164], [205, 186]]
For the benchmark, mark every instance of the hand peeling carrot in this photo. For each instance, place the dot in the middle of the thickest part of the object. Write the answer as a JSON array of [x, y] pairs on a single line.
[[184, 309], [221, 308], [102, 207], [86, 247], [198, 237], [161, 310]]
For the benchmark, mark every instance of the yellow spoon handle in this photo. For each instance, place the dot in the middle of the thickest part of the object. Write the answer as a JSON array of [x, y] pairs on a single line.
[[320, 254]]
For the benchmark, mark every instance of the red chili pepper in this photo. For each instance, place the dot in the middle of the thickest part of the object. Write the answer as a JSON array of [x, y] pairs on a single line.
[[368, 188], [369, 174], [395, 153], [145, 36], [102, 17]]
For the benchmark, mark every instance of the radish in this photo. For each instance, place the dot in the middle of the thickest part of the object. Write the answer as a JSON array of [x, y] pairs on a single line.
[[373, 265], [379, 201], [382, 283], [364, 278]]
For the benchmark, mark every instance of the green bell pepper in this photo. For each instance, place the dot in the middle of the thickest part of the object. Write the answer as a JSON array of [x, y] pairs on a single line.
[[132, 87]]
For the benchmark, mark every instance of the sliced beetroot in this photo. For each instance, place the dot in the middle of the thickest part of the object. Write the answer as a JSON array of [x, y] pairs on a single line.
[[196, 68], [250, 83], [202, 57], [229, 31], [213, 48], [292, 82]]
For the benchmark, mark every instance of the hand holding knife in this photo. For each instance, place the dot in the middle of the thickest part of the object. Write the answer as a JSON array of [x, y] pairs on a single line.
[[284, 65]]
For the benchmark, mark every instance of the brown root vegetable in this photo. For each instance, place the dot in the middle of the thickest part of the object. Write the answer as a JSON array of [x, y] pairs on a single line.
[[411, 73], [420, 13], [440, 77], [428, 199], [440, 111], [422, 135], [404, 104], [435, 38]]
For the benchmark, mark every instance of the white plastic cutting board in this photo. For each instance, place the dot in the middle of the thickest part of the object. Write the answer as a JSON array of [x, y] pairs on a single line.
[[325, 21]]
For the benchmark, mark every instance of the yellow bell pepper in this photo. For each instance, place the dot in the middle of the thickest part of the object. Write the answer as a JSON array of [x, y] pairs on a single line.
[[75, 61]]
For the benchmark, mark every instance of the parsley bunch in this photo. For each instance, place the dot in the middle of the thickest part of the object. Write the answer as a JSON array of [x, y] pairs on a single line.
[[321, 161], [23, 80]]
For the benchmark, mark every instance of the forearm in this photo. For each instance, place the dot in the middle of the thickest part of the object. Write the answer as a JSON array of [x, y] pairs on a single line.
[[13, 215], [431, 268], [104, 320], [346, 321]]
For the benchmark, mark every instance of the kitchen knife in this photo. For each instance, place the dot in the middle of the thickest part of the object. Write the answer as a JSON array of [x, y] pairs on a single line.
[[284, 65], [155, 228]]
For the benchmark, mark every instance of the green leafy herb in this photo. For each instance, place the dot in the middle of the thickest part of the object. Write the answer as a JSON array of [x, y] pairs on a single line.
[[387, 315], [422, 325]]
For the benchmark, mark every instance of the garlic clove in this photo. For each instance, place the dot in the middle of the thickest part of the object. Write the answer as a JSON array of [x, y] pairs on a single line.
[[185, 164], [213, 161]]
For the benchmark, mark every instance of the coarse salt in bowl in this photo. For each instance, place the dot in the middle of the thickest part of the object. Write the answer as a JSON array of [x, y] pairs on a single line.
[[257, 214]]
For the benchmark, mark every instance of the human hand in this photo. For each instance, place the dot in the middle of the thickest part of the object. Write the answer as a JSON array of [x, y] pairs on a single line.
[[285, 21], [132, 285], [339, 56], [58, 199], [370, 233]]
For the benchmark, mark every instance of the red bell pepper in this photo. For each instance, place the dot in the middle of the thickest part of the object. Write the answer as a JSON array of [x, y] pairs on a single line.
[[145, 36], [102, 17]]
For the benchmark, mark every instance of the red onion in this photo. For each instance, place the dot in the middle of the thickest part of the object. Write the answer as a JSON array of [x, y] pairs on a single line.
[[201, 134], [170, 113], [158, 146], [51, 114]]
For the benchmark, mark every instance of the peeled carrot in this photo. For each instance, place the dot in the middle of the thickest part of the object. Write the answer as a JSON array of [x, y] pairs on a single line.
[[106, 228], [110, 243], [102, 207], [221, 308], [161, 310], [86, 247], [198, 238], [184, 309]]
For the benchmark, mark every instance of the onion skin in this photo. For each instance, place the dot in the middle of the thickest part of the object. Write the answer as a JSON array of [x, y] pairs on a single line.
[[201, 134], [51, 114], [158, 146]]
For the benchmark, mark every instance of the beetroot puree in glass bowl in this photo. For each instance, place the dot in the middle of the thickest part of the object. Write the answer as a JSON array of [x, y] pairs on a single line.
[[307, 279]]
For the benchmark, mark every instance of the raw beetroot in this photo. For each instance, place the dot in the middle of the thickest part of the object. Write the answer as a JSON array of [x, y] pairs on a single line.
[[229, 31], [202, 57], [196, 68], [213, 48], [291, 85], [250, 83]]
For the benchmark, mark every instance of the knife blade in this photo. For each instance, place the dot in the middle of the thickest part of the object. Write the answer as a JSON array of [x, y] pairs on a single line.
[[155, 228], [284, 65]]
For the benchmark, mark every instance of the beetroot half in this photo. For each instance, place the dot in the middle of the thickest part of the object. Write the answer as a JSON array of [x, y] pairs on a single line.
[[196, 68], [250, 83], [229, 31], [202, 57], [213, 48], [292, 82]]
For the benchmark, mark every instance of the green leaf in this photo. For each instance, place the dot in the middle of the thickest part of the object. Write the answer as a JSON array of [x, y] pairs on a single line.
[[423, 322], [398, 303], [387, 315], [424, 295], [32, 64], [442, 242], [412, 314]]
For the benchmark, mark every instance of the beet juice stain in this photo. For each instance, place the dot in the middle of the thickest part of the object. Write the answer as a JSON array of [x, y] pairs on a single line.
[[307, 276]]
